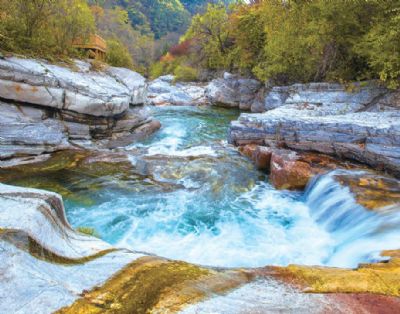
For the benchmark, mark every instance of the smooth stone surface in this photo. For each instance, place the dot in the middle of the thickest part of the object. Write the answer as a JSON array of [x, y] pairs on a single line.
[[355, 94], [163, 91], [78, 89], [233, 92], [33, 222]]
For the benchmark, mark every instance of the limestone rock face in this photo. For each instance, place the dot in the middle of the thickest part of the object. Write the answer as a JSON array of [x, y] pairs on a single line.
[[102, 94], [358, 94], [368, 132], [163, 91], [233, 92], [47, 107]]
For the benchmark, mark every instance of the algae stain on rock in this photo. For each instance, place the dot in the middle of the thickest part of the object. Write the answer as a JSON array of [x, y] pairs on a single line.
[[155, 285]]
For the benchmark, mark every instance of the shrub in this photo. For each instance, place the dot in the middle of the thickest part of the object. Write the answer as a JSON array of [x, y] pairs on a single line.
[[118, 55], [185, 74]]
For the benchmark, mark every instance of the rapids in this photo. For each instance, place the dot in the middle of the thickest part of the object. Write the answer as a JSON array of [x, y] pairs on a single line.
[[194, 198]]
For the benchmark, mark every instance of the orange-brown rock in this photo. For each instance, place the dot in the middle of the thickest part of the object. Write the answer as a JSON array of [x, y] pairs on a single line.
[[260, 155], [372, 190], [288, 172], [289, 169]]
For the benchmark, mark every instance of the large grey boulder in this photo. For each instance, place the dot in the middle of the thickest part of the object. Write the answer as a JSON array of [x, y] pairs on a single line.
[[233, 92], [365, 127], [47, 107], [163, 91], [77, 89], [31, 131]]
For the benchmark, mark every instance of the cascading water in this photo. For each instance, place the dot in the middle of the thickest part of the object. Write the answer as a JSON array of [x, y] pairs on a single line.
[[193, 197], [359, 234]]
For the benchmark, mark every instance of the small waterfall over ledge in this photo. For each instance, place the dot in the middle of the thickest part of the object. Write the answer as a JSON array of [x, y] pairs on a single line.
[[359, 234]]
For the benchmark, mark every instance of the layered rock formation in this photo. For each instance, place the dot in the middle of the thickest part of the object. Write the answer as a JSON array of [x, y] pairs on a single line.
[[163, 91], [49, 107], [362, 125]]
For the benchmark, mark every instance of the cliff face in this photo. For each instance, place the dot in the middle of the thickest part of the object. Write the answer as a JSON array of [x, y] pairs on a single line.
[[47, 107]]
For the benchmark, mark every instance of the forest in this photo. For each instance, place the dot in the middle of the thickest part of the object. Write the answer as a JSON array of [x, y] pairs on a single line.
[[271, 40]]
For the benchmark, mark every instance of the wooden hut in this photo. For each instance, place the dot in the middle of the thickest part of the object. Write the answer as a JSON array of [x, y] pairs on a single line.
[[95, 46]]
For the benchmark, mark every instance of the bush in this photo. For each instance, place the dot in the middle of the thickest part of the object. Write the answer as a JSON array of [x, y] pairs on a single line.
[[185, 74], [156, 70], [118, 55]]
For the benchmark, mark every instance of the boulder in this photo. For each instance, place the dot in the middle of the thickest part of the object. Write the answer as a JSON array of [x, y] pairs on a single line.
[[260, 155], [49, 107], [353, 95], [233, 92], [163, 91], [288, 172], [75, 88]]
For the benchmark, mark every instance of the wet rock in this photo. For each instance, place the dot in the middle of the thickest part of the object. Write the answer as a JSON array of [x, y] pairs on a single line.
[[163, 91], [233, 92], [363, 279], [288, 172], [165, 287], [371, 190], [45, 263], [260, 155], [39, 216], [291, 170]]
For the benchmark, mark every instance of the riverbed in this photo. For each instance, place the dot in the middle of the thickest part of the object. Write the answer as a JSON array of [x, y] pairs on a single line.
[[191, 196]]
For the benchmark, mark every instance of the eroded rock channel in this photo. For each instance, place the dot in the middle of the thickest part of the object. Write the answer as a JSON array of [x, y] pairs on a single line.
[[185, 221]]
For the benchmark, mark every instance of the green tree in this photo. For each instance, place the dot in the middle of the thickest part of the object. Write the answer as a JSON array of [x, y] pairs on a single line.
[[118, 55], [211, 36], [381, 45]]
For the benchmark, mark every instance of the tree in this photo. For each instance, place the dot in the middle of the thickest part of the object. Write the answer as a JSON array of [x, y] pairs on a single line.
[[210, 35], [381, 45]]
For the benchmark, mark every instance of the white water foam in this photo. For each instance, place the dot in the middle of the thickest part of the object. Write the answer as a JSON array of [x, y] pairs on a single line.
[[274, 230], [359, 234]]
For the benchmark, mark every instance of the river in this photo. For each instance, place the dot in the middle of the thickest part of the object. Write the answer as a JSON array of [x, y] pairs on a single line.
[[193, 197]]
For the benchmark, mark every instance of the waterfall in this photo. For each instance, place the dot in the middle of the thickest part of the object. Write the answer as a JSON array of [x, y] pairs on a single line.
[[360, 234]]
